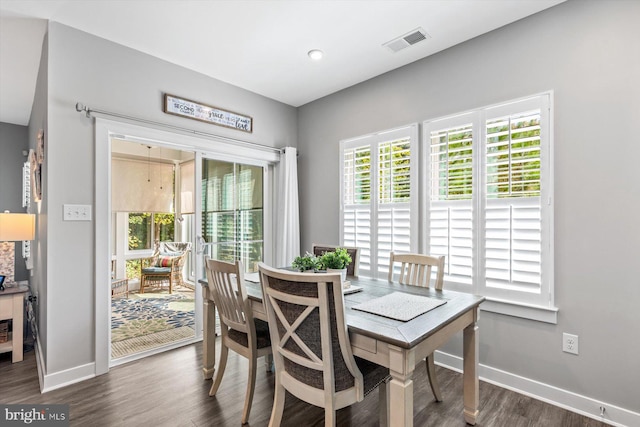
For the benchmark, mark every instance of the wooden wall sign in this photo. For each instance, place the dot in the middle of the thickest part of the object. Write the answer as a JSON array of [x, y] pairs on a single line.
[[206, 113]]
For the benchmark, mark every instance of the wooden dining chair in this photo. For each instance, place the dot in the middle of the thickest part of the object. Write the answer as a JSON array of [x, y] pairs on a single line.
[[312, 351], [354, 253], [416, 270], [240, 332]]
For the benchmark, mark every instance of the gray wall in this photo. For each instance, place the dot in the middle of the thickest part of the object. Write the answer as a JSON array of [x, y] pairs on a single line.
[[587, 52], [108, 76], [13, 140], [38, 121]]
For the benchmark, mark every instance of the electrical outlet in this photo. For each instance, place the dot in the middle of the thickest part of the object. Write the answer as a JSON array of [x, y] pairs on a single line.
[[570, 343], [77, 212]]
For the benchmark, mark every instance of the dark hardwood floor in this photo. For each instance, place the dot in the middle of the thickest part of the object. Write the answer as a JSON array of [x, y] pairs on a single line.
[[168, 390]]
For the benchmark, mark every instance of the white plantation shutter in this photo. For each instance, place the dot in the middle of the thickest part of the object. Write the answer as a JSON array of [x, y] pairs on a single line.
[[394, 209], [379, 218], [513, 244], [356, 202], [450, 198], [394, 158], [357, 175], [513, 210], [356, 230], [488, 205], [394, 233], [451, 235], [513, 155]]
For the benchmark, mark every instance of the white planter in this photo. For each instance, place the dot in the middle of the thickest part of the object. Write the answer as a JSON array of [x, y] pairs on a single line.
[[342, 271]]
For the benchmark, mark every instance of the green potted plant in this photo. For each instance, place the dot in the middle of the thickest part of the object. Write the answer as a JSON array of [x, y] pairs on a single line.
[[305, 263], [336, 261]]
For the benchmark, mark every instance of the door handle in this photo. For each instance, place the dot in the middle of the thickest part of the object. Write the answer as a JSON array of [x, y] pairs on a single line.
[[200, 243]]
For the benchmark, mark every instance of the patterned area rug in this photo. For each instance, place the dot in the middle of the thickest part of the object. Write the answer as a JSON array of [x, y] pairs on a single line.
[[145, 314]]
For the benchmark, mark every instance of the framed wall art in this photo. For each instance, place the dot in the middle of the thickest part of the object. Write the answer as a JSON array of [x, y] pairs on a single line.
[[40, 147], [36, 176], [206, 113]]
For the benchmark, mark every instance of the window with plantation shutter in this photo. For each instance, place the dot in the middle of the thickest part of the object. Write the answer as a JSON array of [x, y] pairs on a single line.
[[513, 207], [450, 198], [378, 202], [356, 202], [488, 201]]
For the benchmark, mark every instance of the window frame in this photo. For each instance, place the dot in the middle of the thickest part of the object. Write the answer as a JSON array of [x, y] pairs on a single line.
[[514, 303]]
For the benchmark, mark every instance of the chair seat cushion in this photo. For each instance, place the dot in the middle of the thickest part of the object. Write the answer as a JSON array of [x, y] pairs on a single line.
[[372, 374], [262, 335], [156, 270]]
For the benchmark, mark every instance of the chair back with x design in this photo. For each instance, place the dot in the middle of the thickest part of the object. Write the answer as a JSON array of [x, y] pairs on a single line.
[[311, 347]]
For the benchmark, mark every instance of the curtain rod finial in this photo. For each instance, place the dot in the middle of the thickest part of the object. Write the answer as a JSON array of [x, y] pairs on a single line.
[[81, 107]]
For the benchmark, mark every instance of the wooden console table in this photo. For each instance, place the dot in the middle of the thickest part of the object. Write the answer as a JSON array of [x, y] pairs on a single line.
[[12, 307]]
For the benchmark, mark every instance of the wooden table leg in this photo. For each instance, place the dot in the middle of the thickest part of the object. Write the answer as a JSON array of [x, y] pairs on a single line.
[[470, 371], [209, 336], [400, 397]]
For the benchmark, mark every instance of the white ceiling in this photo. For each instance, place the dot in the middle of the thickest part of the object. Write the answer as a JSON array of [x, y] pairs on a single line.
[[258, 45]]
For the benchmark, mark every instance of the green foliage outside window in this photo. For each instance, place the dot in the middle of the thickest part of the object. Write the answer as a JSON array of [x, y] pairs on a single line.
[[362, 175], [452, 159], [512, 159], [133, 269], [140, 234], [394, 167], [139, 231]]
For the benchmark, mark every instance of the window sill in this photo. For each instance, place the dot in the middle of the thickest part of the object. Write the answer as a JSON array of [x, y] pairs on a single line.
[[140, 254], [525, 311]]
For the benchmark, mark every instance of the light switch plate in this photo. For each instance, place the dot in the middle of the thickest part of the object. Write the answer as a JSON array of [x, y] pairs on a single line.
[[77, 213]]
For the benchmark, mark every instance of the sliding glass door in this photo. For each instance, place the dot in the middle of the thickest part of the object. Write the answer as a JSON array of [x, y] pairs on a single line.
[[233, 212]]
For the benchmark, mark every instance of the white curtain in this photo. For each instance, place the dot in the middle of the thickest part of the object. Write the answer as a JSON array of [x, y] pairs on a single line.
[[288, 219]]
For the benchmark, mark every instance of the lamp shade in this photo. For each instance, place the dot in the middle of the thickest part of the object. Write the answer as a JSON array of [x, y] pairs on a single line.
[[17, 226]]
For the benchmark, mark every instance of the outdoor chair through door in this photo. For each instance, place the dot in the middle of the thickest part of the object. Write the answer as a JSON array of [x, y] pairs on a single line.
[[165, 266]]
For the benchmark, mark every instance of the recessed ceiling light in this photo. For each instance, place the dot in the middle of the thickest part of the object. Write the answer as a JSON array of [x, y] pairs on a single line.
[[315, 54]]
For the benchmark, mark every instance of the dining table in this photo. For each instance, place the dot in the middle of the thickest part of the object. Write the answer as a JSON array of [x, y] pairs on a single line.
[[395, 344]]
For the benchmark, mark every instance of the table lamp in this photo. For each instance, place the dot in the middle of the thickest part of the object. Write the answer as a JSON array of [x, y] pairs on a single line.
[[13, 227]]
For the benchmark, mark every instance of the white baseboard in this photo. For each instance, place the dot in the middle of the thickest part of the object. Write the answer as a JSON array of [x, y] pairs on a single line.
[[67, 377], [56, 380], [568, 400]]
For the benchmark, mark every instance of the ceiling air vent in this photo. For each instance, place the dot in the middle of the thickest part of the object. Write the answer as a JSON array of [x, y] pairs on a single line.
[[409, 39]]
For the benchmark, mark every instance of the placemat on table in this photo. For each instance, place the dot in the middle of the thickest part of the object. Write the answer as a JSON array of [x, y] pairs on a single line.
[[400, 306]]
